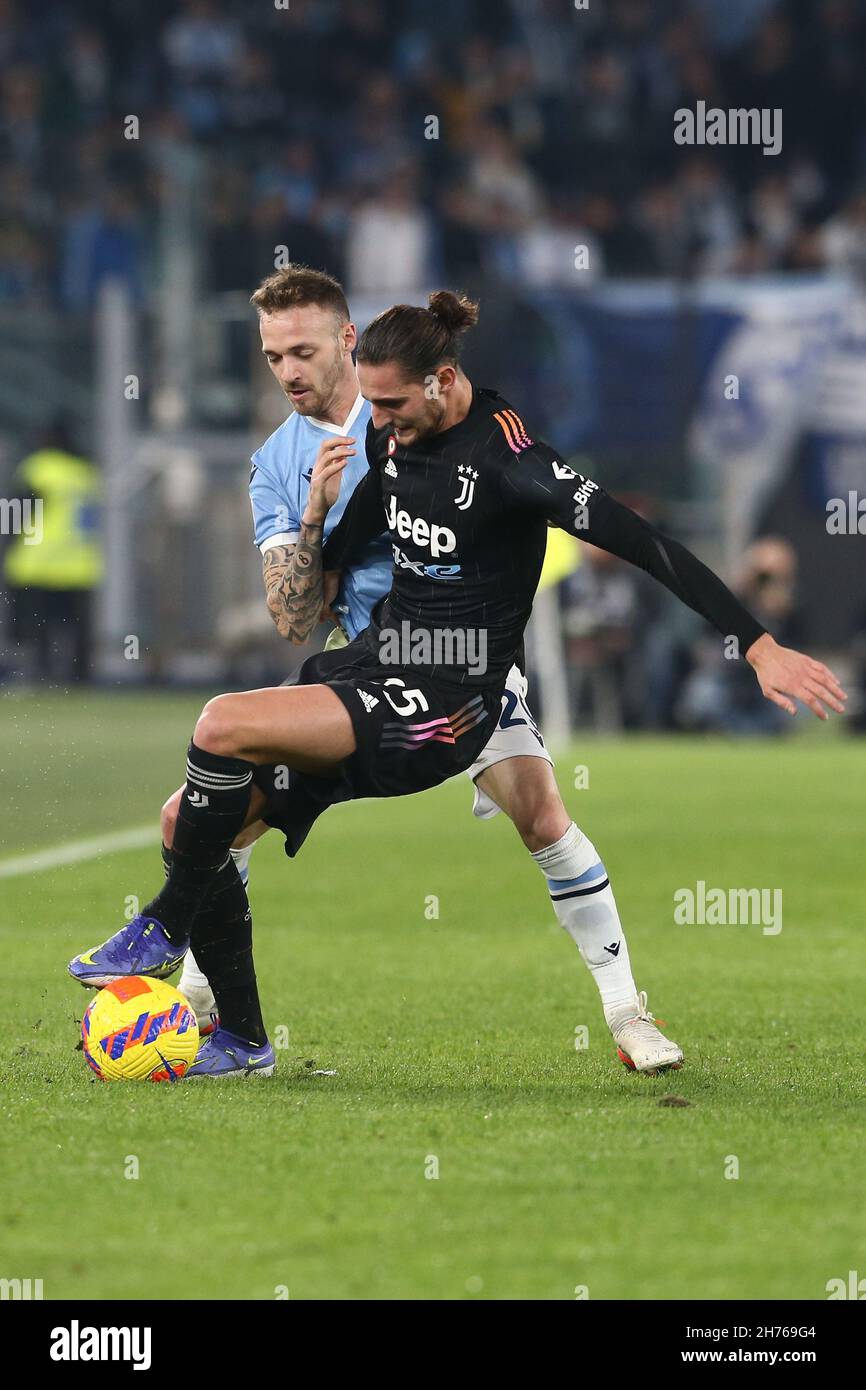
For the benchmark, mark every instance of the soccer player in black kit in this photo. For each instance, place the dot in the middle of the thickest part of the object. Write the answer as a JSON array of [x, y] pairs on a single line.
[[466, 493]]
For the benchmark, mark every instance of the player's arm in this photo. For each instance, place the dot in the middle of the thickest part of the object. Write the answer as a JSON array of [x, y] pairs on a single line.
[[362, 521], [292, 547], [293, 584], [580, 506]]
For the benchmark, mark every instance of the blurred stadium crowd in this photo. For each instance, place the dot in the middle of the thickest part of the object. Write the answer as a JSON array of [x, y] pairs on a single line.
[[554, 129], [402, 144]]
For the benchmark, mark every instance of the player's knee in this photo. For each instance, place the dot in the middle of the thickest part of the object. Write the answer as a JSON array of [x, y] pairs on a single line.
[[217, 730], [541, 823]]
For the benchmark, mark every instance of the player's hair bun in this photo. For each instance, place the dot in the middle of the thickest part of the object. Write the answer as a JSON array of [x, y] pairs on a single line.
[[455, 312], [421, 340]]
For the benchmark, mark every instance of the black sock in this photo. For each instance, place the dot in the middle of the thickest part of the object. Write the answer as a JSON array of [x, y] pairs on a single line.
[[212, 810], [223, 932], [222, 942]]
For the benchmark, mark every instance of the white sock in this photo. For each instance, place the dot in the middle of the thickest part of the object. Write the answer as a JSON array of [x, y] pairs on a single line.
[[583, 901], [191, 977], [242, 861]]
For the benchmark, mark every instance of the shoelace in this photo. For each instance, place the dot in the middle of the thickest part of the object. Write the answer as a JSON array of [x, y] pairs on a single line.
[[643, 1023], [128, 935]]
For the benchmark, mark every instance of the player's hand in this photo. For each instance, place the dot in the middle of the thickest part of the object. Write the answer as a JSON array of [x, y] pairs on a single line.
[[331, 459], [330, 589], [783, 673]]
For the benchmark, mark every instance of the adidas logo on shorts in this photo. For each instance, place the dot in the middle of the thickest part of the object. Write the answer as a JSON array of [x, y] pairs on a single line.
[[369, 701]]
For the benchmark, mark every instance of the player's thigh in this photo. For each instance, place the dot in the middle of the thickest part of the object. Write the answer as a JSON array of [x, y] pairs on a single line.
[[514, 773], [307, 727], [516, 736]]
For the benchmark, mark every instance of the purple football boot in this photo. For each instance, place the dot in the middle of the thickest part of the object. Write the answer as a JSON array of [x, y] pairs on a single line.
[[224, 1054], [139, 948]]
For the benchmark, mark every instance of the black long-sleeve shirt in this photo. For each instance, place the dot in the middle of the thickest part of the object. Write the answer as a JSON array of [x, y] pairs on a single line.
[[468, 510]]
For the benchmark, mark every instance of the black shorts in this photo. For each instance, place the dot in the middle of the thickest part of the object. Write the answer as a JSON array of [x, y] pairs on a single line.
[[412, 732]]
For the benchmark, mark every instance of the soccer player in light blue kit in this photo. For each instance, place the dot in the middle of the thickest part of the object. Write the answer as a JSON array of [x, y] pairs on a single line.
[[279, 487], [308, 339]]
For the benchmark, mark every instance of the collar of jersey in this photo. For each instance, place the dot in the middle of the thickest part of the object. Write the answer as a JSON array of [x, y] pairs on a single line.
[[347, 423]]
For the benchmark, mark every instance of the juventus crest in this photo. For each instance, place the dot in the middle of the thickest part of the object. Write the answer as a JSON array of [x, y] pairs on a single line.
[[468, 477]]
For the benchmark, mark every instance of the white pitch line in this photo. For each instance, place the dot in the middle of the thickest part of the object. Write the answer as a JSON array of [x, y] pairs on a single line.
[[77, 851]]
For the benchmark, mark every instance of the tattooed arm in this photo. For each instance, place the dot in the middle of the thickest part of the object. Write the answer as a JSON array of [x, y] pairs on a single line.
[[293, 584], [296, 588]]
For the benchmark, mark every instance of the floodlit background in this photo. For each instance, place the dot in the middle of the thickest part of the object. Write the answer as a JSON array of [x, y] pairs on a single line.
[[690, 320]]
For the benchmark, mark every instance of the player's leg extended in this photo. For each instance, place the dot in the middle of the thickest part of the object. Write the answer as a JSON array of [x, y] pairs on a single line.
[[193, 982], [229, 1014], [525, 788], [306, 728]]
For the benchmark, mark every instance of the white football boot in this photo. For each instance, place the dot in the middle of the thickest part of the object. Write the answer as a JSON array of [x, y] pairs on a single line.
[[639, 1043]]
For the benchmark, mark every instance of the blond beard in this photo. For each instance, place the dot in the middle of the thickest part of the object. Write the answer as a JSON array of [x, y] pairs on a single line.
[[319, 407]]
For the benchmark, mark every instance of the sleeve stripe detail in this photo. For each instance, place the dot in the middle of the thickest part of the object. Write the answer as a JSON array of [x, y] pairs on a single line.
[[523, 438], [282, 538], [507, 431], [514, 430]]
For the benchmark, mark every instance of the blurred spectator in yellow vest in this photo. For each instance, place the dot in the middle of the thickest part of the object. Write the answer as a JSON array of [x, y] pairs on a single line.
[[53, 561]]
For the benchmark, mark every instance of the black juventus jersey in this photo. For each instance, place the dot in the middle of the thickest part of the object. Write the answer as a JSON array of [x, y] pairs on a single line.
[[467, 511]]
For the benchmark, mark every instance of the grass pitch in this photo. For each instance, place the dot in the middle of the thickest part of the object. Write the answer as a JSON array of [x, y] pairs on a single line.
[[452, 1039]]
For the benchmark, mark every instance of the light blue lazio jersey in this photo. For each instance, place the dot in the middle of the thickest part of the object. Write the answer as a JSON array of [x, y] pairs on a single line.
[[280, 486]]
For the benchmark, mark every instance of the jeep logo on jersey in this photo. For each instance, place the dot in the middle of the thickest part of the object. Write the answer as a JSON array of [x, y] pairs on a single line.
[[585, 491], [440, 539]]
